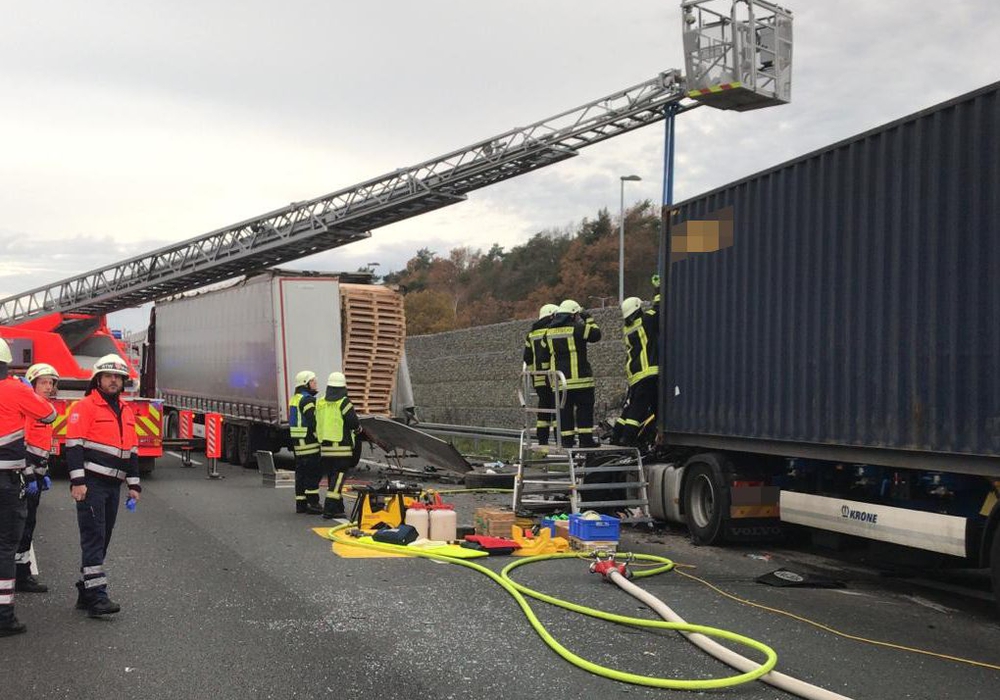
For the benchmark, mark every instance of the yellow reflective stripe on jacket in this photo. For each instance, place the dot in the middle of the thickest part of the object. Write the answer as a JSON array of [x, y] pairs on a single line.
[[534, 340], [295, 427], [636, 341], [330, 427], [296, 430]]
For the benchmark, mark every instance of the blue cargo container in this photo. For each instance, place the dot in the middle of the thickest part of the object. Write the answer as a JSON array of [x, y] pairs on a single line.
[[835, 359], [856, 314]]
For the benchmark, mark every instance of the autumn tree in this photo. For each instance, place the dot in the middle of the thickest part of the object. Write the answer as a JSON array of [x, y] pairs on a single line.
[[428, 311]]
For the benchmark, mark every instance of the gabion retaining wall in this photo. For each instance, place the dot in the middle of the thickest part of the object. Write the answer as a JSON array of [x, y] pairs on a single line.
[[471, 376]]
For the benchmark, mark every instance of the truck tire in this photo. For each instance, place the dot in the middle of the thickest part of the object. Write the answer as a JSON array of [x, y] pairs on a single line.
[[482, 480], [244, 449], [146, 465], [172, 425], [230, 448], [706, 499]]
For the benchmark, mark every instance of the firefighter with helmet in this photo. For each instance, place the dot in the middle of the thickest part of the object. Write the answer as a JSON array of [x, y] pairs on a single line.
[[640, 333], [337, 428], [302, 429], [566, 340], [102, 451], [534, 352], [37, 445], [18, 404]]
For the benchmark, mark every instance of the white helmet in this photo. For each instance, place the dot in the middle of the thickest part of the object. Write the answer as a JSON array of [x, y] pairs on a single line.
[[5, 355], [304, 377], [547, 310], [630, 306], [570, 307], [40, 370], [336, 379], [112, 364]]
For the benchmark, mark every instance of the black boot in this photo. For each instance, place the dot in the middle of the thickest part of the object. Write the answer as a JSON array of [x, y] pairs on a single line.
[[29, 584], [81, 597], [301, 507], [24, 582], [102, 606], [12, 626], [333, 508]]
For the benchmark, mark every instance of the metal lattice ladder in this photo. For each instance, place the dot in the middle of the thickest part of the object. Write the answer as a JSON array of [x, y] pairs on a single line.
[[553, 478]]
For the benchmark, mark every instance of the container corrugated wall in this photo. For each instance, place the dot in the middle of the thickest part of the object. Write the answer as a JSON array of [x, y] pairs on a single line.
[[860, 302]]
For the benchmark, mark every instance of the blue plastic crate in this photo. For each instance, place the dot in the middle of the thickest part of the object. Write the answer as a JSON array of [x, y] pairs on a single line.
[[550, 523], [605, 529]]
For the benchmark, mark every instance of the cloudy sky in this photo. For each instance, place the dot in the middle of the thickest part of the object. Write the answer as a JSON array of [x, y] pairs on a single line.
[[126, 125]]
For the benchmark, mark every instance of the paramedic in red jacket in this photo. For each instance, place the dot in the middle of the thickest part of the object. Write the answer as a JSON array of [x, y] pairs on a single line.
[[37, 444], [18, 403], [102, 452]]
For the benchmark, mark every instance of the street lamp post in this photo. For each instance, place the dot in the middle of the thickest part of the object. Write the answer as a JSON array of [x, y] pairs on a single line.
[[621, 238]]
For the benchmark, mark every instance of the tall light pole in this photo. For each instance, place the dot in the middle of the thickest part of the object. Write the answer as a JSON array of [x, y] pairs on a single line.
[[621, 238]]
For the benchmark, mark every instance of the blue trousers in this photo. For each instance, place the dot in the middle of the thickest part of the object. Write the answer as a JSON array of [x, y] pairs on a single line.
[[12, 515], [96, 515]]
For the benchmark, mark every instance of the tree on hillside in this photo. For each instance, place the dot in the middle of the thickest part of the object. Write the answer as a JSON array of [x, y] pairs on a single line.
[[428, 311], [471, 288]]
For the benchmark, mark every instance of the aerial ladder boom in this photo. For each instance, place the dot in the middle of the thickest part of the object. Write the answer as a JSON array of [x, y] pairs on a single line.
[[348, 215]]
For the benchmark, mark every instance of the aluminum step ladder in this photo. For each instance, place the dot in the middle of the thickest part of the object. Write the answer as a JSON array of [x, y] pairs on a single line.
[[552, 478]]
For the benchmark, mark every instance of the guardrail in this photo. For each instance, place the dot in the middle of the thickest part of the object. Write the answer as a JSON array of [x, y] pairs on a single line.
[[472, 432]]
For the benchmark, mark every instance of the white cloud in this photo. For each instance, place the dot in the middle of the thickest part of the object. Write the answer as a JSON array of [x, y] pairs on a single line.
[[130, 124]]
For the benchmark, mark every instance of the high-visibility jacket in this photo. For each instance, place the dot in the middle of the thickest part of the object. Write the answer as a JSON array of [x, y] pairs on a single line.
[[37, 445], [101, 441], [18, 403], [535, 355], [336, 422], [302, 423], [566, 341], [641, 355]]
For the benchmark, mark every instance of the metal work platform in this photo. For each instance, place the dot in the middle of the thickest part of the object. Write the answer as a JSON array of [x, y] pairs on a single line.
[[553, 478]]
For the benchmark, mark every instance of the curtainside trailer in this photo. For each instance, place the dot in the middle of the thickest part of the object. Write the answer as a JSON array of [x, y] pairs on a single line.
[[830, 345], [236, 350]]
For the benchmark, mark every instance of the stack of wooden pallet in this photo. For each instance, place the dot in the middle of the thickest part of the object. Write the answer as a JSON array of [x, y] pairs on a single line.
[[374, 329]]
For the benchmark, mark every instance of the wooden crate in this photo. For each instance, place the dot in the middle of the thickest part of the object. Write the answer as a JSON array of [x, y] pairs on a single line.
[[374, 327]]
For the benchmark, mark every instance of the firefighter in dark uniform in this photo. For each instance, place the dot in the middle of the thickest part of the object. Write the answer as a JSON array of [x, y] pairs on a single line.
[[337, 428], [102, 451], [302, 427], [18, 403], [37, 444], [534, 351], [571, 330], [640, 335]]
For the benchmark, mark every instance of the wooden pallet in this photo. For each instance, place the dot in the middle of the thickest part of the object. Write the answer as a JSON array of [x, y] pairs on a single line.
[[374, 327]]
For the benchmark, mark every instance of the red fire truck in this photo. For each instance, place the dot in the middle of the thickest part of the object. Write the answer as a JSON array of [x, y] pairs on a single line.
[[71, 343]]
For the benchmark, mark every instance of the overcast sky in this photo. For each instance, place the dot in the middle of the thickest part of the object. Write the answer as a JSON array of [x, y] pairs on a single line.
[[128, 125]]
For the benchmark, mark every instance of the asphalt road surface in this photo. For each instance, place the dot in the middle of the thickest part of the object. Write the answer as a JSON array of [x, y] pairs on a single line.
[[227, 593]]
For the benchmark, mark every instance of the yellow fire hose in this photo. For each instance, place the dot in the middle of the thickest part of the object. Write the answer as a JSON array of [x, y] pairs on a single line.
[[519, 591]]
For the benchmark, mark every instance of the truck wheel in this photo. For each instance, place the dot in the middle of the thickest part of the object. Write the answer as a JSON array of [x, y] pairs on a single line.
[[172, 429], [482, 480], [244, 450], [706, 501], [146, 465], [230, 445]]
